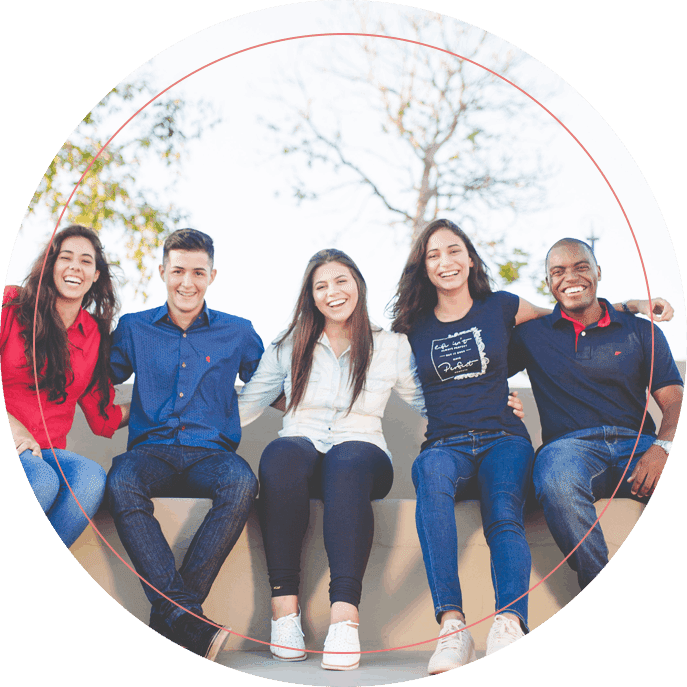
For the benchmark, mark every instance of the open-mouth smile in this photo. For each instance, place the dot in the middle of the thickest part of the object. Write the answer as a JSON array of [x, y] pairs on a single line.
[[336, 303]]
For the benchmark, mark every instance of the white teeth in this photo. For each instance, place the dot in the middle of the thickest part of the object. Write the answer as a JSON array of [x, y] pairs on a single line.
[[72, 280], [333, 304], [574, 289], [448, 274]]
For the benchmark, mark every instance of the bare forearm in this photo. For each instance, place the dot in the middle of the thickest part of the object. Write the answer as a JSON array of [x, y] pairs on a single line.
[[126, 414], [671, 415], [23, 439]]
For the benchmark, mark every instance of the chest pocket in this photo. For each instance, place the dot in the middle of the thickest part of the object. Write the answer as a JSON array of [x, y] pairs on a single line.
[[584, 353], [372, 399], [313, 391]]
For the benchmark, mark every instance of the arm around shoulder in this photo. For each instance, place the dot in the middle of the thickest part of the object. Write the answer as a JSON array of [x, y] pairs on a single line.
[[264, 387], [408, 385], [527, 311]]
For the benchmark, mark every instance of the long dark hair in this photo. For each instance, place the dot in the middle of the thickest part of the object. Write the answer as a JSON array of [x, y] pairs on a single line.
[[307, 326], [52, 344], [416, 295]]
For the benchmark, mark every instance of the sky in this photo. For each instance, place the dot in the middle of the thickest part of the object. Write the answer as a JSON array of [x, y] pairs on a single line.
[[236, 185]]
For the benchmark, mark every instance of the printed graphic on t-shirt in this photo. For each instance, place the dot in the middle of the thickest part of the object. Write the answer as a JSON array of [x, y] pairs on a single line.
[[460, 355]]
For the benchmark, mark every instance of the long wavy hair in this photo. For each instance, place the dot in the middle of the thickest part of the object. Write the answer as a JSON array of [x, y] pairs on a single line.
[[416, 295], [307, 326], [52, 344]]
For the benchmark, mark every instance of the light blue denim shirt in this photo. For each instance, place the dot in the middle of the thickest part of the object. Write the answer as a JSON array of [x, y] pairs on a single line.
[[322, 414]]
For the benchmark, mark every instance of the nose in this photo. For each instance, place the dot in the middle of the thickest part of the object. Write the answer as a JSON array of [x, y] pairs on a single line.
[[187, 281]]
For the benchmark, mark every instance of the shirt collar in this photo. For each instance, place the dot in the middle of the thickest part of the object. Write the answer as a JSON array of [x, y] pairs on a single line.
[[161, 314], [610, 316]]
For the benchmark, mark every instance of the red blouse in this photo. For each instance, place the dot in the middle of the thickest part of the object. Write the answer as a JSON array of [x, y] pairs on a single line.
[[17, 377]]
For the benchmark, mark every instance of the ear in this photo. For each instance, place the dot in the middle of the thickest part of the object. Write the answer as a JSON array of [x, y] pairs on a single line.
[[95, 278], [213, 274], [598, 272], [161, 268]]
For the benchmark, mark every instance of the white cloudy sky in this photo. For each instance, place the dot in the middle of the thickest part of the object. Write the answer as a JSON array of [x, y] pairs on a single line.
[[236, 186]]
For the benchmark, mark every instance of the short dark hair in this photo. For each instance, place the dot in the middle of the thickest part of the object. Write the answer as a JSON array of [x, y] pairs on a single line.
[[188, 239], [570, 242]]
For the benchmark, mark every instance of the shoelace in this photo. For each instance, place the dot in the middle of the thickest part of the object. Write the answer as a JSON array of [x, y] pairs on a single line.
[[288, 624], [451, 638], [338, 637], [503, 628]]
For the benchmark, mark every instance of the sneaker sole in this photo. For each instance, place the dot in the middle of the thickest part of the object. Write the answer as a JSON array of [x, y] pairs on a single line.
[[471, 658], [217, 643], [289, 660], [329, 666]]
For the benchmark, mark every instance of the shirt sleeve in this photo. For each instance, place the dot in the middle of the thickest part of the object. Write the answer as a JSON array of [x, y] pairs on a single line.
[[120, 354], [408, 385], [510, 304], [264, 386], [101, 425], [252, 353], [665, 369]]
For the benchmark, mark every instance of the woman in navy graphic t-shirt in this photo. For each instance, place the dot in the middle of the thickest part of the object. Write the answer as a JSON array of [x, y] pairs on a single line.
[[459, 331]]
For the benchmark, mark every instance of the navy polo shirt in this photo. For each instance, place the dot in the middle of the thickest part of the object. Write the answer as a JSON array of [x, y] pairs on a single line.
[[463, 369], [184, 387], [600, 380]]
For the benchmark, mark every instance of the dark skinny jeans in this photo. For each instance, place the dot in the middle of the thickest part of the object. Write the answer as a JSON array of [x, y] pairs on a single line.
[[346, 479]]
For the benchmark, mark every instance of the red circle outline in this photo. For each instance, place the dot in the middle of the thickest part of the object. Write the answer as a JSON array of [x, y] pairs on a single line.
[[368, 35]]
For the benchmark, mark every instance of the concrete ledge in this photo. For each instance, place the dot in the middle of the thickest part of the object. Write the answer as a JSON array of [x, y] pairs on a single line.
[[396, 608]]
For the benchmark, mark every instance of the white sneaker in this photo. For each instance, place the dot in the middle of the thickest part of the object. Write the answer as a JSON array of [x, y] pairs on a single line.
[[504, 631], [342, 636], [287, 632], [453, 651]]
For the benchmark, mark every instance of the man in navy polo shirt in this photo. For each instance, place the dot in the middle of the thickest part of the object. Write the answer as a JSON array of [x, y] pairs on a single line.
[[183, 434], [590, 368]]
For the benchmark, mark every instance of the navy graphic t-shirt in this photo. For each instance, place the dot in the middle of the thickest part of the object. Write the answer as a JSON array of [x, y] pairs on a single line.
[[463, 368]]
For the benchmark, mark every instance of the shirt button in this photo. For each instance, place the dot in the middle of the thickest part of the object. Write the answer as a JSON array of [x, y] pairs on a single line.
[[181, 395], [183, 364], [584, 333], [184, 335], [183, 428]]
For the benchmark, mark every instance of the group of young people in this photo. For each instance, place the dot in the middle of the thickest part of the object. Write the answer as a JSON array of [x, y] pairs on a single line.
[[452, 346]]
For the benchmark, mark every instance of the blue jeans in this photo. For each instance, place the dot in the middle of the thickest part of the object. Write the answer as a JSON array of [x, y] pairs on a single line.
[[85, 477], [501, 465], [160, 470], [573, 472]]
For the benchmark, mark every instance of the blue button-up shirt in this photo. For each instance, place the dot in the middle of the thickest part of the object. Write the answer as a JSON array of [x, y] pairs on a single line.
[[184, 387], [600, 381]]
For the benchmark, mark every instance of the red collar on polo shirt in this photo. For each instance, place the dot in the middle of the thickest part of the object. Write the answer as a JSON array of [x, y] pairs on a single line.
[[579, 327]]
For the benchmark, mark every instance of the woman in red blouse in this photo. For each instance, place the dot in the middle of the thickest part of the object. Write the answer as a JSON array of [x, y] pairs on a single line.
[[73, 311]]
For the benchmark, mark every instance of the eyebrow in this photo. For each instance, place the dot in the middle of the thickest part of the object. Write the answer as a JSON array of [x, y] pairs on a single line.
[[191, 269], [324, 281], [71, 252], [579, 262], [451, 245]]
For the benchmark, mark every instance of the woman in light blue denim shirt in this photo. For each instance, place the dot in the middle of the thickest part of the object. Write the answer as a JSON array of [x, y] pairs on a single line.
[[337, 371]]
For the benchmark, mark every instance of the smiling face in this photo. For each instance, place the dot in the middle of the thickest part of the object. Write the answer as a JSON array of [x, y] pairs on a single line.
[[74, 271], [187, 275], [335, 292], [572, 276], [447, 261]]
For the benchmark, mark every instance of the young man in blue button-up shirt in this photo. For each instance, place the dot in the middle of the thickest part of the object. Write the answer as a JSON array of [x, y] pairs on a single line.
[[590, 368], [183, 434]]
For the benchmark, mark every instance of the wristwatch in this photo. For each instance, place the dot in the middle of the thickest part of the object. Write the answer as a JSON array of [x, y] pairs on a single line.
[[665, 445]]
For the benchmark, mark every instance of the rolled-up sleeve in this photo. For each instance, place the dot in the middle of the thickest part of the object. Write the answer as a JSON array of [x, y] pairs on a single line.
[[264, 386], [101, 425], [408, 385], [121, 367], [252, 354]]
